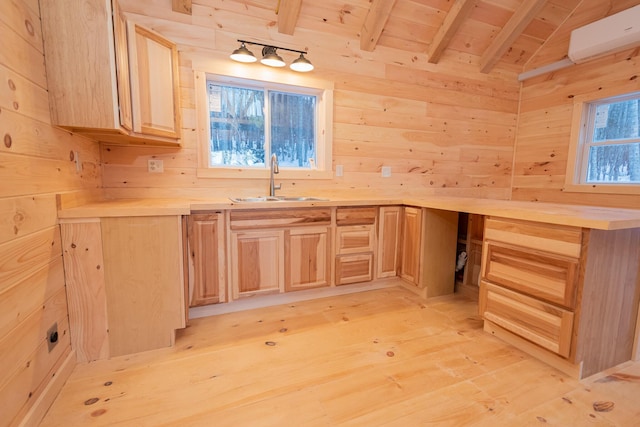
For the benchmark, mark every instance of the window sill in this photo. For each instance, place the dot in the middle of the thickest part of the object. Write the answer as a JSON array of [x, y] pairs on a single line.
[[239, 173], [602, 188]]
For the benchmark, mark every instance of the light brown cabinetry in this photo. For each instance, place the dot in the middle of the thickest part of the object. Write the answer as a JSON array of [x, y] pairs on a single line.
[[429, 250], [547, 325], [108, 77], [257, 259], [124, 284], [273, 250], [564, 289], [388, 253], [411, 244], [355, 244], [307, 255], [207, 259]]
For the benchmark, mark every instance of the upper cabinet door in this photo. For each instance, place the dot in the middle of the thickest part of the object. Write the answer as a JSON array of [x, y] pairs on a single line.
[[122, 68], [153, 64], [107, 77], [81, 71]]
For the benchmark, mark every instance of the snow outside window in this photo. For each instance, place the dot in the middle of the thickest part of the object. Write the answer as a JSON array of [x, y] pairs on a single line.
[[610, 148], [250, 123]]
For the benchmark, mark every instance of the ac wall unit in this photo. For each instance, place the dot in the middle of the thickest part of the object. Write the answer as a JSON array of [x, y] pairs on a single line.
[[613, 33]]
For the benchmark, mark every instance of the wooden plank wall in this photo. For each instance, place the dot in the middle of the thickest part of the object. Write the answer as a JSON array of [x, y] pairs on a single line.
[[36, 164], [543, 136], [443, 129]]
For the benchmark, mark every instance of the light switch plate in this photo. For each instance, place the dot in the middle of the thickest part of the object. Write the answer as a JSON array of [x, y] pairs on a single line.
[[339, 170], [386, 171]]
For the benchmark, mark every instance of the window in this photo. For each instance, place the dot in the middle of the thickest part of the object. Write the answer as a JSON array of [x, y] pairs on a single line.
[[608, 143], [249, 124], [246, 114]]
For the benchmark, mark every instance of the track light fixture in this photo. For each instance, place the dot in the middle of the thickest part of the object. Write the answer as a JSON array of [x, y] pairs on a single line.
[[270, 57]]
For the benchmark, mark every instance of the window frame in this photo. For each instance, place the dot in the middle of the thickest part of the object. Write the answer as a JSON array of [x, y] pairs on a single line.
[[228, 72], [578, 149]]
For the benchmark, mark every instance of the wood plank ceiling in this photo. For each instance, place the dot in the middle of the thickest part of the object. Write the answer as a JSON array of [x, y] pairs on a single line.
[[506, 32]]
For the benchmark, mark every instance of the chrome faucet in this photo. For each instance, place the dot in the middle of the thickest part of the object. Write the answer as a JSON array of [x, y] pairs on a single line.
[[274, 170]]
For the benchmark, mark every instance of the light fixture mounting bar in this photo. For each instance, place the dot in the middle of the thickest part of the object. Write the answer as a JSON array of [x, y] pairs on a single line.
[[270, 45]]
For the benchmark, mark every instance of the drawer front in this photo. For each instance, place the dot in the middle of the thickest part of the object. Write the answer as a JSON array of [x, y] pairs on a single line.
[[271, 218], [543, 324], [354, 268], [355, 239], [545, 276], [356, 216], [555, 239]]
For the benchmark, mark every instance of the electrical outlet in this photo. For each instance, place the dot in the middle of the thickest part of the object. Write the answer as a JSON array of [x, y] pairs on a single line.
[[52, 336], [386, 171], [155, 166], [339, 170]]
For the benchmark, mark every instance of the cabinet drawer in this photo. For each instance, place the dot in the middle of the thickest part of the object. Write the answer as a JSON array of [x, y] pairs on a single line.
[[544, 324], [545, 276], [354, 268], [356, 216], [555, 239], [354, 239]]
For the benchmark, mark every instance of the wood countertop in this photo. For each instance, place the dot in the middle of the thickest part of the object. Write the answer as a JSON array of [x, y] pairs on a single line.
[[553, 213]]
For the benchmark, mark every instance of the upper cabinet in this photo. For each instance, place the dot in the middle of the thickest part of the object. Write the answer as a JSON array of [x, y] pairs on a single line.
[[108, 77]]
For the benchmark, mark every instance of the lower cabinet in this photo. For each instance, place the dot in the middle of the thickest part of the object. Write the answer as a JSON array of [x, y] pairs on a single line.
[[307, 254], [207, 260], [559, 291], [246, 252], [428, 250], [278, 250], [355, 244], [125, 284], [257, 262]]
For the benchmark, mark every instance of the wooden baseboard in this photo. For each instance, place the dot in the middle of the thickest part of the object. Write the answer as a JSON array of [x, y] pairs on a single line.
[[289, 297], [49, 394], [563, 365]]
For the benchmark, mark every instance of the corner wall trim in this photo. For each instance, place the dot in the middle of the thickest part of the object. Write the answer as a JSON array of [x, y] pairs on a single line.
[[49, 394]]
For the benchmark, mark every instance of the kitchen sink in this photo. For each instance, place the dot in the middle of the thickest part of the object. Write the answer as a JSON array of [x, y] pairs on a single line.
[[254, 199], [301, 199], [276, 199]]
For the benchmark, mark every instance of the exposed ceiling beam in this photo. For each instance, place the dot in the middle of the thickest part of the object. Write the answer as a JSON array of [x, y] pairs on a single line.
[[374, 23], [288, 12], [182, 6], [456, 16], [513, 28]]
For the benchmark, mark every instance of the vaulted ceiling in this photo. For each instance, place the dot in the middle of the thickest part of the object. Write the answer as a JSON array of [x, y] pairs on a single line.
[[509, 32]]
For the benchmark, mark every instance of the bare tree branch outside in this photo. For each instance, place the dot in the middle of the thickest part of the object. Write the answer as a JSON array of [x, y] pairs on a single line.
[[238, 127], [614, 149]]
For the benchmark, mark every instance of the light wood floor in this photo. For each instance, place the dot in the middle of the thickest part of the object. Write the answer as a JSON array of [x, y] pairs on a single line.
[[377, 358]]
